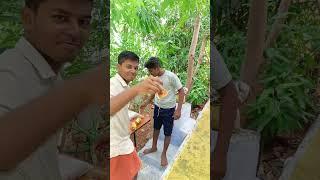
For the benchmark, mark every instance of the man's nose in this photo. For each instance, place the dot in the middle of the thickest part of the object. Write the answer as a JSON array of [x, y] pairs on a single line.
[[74, 29], [133, 70]]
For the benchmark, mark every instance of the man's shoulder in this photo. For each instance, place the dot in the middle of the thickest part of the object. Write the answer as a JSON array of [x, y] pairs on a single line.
[[115, 84], [171, 74], [14, 62], [12, 78], [9, 57], [114, 80]]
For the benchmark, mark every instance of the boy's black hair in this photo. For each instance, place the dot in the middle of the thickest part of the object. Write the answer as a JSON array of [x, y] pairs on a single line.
[[152, 63], [124, 55], [34, 4]]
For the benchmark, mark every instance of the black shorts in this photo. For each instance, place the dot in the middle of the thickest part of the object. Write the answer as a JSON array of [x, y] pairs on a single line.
[[165, 117]]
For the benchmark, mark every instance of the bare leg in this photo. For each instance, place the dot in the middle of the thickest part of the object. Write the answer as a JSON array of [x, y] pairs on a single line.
[[164, 161], [154, 142]]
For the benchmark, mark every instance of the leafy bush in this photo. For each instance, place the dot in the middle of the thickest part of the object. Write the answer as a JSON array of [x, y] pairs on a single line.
[[199, 93], [289, 74]]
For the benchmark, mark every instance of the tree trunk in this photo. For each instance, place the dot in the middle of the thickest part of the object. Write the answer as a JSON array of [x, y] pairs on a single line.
[[318, 6], [202, 49], [278, 23], [201, 55], [255, 41], [192, 52], [255, 47]]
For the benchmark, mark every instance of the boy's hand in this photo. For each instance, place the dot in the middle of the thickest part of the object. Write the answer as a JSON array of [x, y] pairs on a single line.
[[177, 114]]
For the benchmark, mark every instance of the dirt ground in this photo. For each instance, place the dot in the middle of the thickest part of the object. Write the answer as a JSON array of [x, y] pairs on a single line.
[[274, 155]]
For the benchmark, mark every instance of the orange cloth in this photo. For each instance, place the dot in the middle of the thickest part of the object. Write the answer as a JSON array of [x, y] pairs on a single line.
[[125, 167]]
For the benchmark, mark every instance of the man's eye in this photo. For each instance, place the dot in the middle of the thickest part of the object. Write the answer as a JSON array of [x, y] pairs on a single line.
[[85, 22], [60, 18]]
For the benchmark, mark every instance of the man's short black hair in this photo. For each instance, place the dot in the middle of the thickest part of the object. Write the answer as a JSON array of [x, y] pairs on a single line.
[[125, 55], [34, 4], [152, 63]]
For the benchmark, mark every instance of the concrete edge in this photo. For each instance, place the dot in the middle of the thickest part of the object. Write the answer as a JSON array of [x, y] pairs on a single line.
[[165, 173]]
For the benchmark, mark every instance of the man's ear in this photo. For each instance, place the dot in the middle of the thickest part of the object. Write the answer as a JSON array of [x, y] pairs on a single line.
[[27, 16]]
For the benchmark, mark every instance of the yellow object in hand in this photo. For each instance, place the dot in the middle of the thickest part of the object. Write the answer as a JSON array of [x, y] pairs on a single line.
[[163, 93], [134, 126], [138, 120]]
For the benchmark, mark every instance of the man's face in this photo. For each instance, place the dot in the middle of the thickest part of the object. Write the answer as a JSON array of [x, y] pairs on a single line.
[[128, 70], [154, 71], [59, 28]]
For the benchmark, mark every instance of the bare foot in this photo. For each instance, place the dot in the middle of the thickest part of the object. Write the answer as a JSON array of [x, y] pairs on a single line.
[[150, 150], [164, 161]]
